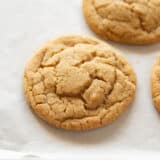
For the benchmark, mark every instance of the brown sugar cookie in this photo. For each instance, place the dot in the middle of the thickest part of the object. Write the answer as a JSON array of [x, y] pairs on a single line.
[[126, 21], [78, 83], [155, 83]]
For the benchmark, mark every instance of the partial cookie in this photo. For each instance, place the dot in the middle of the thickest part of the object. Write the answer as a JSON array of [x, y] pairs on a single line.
[[126, 21], [155, 83], [78, 83]]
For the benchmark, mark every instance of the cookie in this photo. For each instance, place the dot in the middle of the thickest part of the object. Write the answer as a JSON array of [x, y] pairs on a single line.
[[155, 83], [78, 83], [126, 21]]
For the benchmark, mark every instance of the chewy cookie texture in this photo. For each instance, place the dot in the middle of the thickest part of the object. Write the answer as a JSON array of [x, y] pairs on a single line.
[[78, 83], [126, 21], [155, 83]]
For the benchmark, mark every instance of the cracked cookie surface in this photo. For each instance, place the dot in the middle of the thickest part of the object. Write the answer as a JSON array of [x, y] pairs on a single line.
[[155, 83], [78, 83], [126, 21]]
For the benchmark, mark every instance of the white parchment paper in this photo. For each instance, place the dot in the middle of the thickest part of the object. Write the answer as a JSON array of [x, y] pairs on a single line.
[[24, 26]]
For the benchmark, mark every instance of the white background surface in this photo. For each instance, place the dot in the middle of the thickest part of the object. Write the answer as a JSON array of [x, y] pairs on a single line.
[[24, 26]]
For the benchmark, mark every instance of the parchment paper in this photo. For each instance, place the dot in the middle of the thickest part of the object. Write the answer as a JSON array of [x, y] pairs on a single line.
[[24, 26]]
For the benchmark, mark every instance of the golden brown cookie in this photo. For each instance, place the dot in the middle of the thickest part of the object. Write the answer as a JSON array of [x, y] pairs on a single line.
[[78, 83], [155, 83], [126, 21]]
